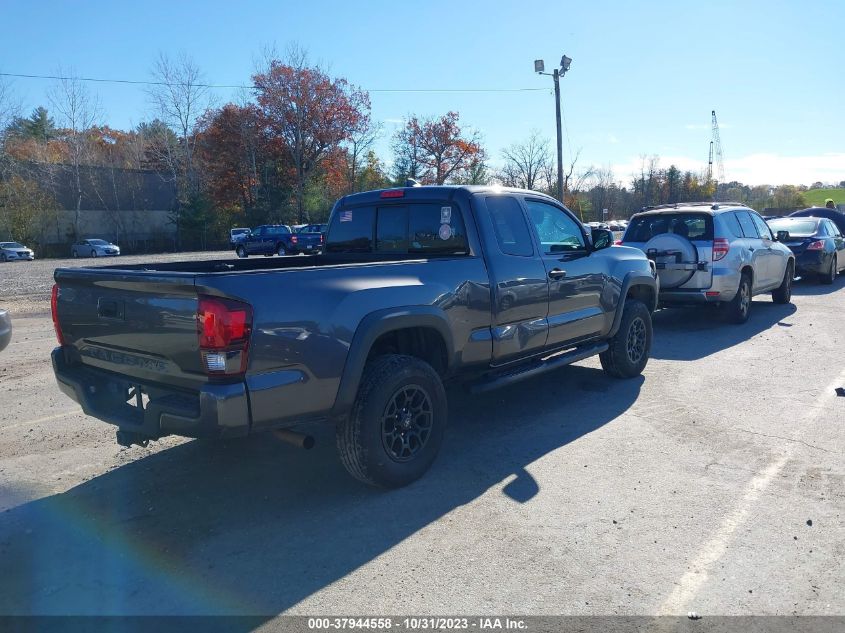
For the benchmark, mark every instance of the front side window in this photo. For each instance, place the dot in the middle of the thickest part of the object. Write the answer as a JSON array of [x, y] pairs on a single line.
[[762, 227], [557, 231]]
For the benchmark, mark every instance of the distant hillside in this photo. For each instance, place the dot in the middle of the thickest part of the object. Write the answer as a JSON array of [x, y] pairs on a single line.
[[816, 197]]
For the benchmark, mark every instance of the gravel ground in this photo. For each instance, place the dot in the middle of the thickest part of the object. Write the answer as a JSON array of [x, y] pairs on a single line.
[[715, 483], [25, 285]]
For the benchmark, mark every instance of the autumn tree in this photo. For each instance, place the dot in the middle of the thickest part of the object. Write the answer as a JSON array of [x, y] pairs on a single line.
[[310, 113], [436, 149]]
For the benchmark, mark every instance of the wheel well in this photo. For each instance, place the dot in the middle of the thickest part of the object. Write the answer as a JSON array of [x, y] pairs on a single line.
[[749, 271], [424, 343], [642, 293]]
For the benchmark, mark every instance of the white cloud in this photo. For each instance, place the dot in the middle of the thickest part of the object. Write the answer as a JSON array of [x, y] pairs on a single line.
[[755, 169]]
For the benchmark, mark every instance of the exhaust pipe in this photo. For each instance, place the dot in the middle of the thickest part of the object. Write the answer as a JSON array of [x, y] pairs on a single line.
[[300, 440]]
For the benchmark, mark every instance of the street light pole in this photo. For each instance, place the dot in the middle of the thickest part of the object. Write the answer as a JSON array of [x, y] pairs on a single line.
[[556, 76], [539, 67]]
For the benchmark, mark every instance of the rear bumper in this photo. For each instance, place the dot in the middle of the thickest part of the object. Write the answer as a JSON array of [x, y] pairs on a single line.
[[725, 283], [214, 411], [812, 262]]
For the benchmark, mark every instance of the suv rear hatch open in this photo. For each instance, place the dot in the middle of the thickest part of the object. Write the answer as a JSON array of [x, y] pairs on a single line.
[[680, 244]]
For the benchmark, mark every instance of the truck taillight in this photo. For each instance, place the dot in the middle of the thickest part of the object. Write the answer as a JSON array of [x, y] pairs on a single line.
[[721, 246], [223, 328], [54, 304], [322, 238]]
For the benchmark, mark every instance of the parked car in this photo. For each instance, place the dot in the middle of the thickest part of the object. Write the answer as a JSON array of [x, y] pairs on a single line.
[[408, 295], [14, 251], [313, 228], [237, 235], [94, 248], [5, 328], [817, 243], [278, 239], [837, 217], [712, 253]]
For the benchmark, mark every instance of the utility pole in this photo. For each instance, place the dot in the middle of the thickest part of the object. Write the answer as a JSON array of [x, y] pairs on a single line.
[[556, 76], [539, 67]]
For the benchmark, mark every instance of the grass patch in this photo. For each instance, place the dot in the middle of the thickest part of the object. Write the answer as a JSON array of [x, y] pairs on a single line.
[[816, 197]]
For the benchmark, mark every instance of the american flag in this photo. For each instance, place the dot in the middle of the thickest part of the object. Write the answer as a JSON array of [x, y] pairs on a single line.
[[346, 216]]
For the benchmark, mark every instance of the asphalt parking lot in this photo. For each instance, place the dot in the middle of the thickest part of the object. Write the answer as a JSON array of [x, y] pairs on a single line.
[[713, 483]]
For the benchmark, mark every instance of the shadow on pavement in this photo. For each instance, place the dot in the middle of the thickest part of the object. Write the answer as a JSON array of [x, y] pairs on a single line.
[[810, 285], [693, 333], [255, 526]]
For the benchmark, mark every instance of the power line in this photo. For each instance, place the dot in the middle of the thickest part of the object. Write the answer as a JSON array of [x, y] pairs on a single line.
[[249, 87]]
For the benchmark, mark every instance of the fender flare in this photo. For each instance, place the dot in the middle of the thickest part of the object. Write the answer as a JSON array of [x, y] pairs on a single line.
[[373, 326], [632, 279]]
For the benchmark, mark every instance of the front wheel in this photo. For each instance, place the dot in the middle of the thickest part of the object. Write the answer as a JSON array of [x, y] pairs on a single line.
[[241, 252], [783, 293], [395, 429], [830, 276], [630, 347], [93, 253], [280, 250]]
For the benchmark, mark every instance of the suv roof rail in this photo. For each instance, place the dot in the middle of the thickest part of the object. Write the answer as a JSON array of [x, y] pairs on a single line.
[[713, 205]]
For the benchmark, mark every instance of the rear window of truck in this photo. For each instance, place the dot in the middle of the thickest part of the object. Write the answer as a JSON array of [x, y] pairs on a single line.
[[693, 226], [413, 229]]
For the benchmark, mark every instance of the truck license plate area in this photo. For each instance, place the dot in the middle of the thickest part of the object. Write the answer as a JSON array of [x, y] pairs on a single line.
[[138, 398]]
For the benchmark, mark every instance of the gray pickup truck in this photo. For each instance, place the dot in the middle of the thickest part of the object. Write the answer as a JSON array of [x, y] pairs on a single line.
[[417, 286]]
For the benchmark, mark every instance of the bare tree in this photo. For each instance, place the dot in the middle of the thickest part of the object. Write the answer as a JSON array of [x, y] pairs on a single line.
[[360, 142], [77, 111], [180, 97], [526, 162]]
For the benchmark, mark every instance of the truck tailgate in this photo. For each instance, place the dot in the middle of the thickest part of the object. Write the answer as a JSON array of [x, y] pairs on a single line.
[[138, 324]]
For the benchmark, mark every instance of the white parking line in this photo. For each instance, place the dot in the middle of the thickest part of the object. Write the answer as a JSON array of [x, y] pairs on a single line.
[[691, 582], [55, 416]]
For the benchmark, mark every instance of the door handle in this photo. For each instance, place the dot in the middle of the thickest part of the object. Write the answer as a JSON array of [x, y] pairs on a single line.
[[557, 273]]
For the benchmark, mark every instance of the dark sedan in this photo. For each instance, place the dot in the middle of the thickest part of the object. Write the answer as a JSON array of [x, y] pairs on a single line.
[[817, 243]]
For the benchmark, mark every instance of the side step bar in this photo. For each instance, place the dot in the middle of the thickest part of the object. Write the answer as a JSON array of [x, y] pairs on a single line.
[[496, 380]]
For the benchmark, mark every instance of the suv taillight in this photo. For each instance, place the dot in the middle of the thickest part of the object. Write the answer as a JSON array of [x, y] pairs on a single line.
[[54, 304], [223, 328], [721, 246]]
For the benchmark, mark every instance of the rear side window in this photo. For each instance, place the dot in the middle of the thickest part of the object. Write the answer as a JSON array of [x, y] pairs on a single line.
[[351, 231], [747, 224], [510, 226], [419, 229], [693, 226]]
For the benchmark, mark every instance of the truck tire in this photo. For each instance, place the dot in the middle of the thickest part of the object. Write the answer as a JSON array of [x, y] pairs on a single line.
[[281, 251], [783, 293], [241, 251], [395, 429], [739, 307], [630, 347]]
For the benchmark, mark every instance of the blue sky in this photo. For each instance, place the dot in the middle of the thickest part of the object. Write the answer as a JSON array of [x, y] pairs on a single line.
[[644, 79]]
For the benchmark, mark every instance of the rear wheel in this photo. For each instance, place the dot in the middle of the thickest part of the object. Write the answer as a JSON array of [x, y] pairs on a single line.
[[93, 253], [629, 349], [739, 307], [783, 293], [74, 254], [395, 429], [3, 257], [280, 250], [241, 251], [830, 276]]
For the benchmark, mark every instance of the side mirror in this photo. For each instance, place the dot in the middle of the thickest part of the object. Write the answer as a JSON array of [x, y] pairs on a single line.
[[782, 236], [602, 238]]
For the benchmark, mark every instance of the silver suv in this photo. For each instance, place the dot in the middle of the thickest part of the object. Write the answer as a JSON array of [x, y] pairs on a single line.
[[721, 253]]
